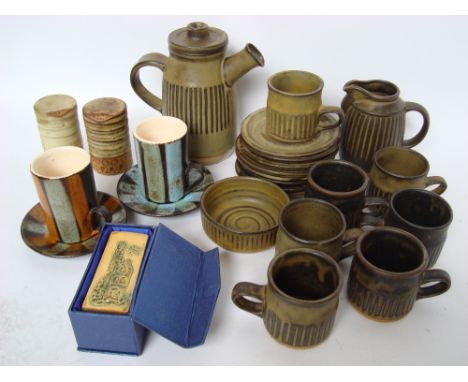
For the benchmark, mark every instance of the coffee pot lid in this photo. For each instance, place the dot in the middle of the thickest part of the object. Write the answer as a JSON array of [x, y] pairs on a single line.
[[197, 39]]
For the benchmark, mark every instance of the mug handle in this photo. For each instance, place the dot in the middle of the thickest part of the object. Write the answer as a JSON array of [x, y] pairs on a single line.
[[349, 242], [100, 215], [200, 169], [442, 283], [436, 180], [157, 60], [413, 106], [378, 208], [243, 289], [331, 110]]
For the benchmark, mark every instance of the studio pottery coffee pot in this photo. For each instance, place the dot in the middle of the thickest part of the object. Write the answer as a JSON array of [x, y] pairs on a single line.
[[197, 87], [375, 118]]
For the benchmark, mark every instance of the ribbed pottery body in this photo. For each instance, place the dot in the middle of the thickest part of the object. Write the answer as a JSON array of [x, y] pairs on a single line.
[[375, 118], [368, 127], [364, 134], [195, 93]]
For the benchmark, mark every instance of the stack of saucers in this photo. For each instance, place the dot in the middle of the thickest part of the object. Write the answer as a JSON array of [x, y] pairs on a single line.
[[284, 163]]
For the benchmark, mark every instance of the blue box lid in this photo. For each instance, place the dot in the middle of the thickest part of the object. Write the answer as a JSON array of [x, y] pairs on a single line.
[[178, 289]]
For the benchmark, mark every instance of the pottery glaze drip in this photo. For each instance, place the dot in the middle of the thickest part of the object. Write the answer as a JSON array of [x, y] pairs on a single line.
[[375, 118], [197, 87]]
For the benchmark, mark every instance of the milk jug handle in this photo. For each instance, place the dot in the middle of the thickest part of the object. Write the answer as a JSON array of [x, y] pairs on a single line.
[[157, 60], [413, 106]]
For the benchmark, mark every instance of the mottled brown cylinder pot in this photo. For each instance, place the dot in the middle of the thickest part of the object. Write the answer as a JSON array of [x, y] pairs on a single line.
[[299, 303], [344, 185], [388, 274], [423, 213], [108, 137]]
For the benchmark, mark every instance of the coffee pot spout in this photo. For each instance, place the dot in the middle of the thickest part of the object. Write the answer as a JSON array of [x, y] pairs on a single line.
[[235, 66]]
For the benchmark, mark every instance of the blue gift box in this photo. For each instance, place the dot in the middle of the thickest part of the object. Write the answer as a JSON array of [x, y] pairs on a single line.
[[174, 296]]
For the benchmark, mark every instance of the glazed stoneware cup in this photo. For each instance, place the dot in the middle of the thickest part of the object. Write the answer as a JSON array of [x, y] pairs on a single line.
[[388, 274], [315, 224], [64, 180], [344, 185], [397, 168], [425, 214], [294, 106], [161, 146], [298, 305]]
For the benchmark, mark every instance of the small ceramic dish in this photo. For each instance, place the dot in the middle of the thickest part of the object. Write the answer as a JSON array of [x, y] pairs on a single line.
[[241, 213]]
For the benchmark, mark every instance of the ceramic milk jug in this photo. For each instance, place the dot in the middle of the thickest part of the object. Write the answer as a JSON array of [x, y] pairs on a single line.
[[197, 87], [375, 118]]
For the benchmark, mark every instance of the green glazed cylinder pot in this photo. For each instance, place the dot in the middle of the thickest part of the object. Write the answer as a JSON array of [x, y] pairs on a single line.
[[294, 106], [375, 118], [298, 305], [398, 168], [388, 274], [197, 87]]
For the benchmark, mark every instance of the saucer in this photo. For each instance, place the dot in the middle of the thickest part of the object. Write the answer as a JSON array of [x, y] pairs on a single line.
[[35, 233], [253, 131], [130, 191]]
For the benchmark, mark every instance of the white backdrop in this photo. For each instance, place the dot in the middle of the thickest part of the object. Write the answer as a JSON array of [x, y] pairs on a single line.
[[90, 57]]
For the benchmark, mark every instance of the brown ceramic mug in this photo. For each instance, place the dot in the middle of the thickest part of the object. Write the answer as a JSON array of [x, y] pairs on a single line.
[[344, 184], [299, 303], [397, 168], [388, 274], [424, 214], [294, 106], [315, 224]]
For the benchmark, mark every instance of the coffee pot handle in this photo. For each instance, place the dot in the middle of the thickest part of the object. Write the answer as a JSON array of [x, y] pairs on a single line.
[[440, 283], [413, 106], [157, 60], [243, 289], [331, 110], [436, 180]]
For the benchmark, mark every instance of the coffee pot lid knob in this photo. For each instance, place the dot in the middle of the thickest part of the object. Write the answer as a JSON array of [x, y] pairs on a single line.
[[197, 39]]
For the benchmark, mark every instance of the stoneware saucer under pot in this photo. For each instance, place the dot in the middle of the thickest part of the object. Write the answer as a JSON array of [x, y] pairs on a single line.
[[36, 236], [131, 193]]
